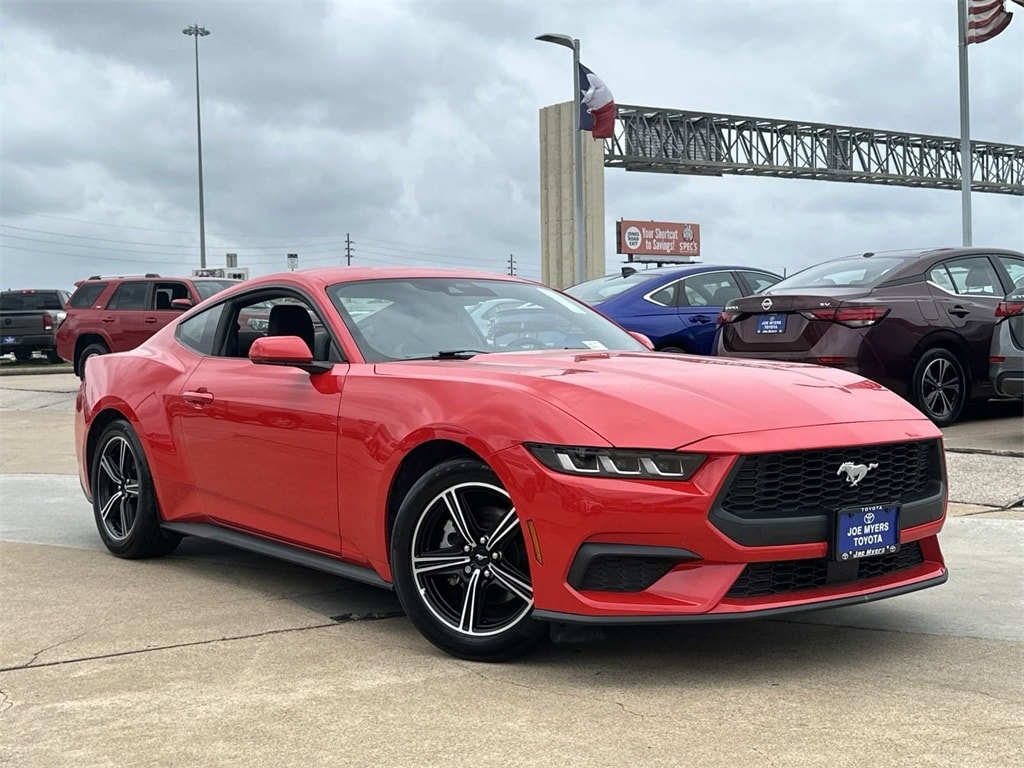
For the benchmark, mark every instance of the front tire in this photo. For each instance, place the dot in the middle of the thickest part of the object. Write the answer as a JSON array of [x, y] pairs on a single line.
[[939, 386], [123, 498], [460, 564]]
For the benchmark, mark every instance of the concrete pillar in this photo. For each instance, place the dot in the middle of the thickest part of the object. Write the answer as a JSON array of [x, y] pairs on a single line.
[[557, 204]]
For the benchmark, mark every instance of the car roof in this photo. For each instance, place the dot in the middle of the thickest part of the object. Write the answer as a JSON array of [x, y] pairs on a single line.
[[916, 253], [331, 275]]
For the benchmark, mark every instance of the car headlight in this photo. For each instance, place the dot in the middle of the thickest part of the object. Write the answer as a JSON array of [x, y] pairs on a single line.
[[623, 463]]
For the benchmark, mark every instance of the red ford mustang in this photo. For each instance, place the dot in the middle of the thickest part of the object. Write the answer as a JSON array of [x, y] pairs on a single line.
[[374, 430]]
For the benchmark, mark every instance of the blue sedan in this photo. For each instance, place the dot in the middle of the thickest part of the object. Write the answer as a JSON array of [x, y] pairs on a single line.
[[675, 307]]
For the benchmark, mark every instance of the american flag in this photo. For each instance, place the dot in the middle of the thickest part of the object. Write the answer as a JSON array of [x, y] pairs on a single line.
[[987, 18]]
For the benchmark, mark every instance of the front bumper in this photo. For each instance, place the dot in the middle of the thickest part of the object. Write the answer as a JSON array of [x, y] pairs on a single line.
[[618, 551]]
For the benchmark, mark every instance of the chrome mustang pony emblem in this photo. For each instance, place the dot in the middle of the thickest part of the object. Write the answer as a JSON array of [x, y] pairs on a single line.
[[855, 472]]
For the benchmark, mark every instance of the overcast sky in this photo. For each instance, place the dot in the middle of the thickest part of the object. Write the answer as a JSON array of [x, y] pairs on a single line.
[[412, 127]]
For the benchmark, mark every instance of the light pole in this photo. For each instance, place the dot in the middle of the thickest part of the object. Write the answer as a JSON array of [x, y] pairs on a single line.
[[577, 148], [196, 31]]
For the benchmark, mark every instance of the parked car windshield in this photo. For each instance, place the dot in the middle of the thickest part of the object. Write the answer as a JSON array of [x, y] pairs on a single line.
[[409, 318], [849, 271], [206, 288], [603, 288]]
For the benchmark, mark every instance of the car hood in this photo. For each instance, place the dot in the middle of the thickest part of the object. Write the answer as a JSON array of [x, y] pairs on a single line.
[[631, 398]]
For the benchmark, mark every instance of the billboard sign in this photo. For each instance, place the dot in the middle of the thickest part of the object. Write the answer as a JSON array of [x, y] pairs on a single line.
[[658, 240]]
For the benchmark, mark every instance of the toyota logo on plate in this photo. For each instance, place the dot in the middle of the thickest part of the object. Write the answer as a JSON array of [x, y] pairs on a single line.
[[766, 304]]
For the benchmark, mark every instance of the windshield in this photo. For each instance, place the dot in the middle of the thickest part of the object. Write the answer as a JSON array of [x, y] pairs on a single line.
[[206, 288], [410, 318], [851, 271], [603, 288]]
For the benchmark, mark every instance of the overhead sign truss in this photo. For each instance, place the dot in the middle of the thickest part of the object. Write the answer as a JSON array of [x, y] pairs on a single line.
[[679, 141]]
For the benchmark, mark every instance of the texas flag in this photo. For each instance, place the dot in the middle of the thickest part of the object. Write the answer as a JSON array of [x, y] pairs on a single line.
[[597, 106]]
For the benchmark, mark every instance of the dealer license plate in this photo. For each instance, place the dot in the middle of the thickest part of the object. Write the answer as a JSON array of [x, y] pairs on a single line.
[[867, 531], [773, 323], [10, 339]]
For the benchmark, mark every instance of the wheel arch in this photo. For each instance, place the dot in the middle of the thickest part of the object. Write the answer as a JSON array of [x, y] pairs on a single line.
[[100, 422], [84, 341], [415, 465], [947, 341]]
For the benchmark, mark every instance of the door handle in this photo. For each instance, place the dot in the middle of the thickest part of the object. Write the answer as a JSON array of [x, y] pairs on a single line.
[[149, 320], [959, 311], [109, 319], [700, 319], [199, 398]]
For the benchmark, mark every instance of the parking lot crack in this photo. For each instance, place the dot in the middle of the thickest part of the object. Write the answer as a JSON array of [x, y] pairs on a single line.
[[139, 651], [40, 652], [5, 702]]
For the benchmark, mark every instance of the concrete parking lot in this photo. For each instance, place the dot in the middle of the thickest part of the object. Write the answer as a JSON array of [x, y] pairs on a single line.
[[217, 657]]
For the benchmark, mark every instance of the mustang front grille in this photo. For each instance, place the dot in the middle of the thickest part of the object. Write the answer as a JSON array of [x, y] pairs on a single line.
[[810, 482], [773, 499]]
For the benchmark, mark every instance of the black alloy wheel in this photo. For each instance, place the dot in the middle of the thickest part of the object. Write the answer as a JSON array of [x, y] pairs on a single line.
[[123, 498], [460, 564], [939, 387]]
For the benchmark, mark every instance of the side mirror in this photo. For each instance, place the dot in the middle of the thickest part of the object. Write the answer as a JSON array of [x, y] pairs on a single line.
[[181, 304], [642, 339], [288, 351]]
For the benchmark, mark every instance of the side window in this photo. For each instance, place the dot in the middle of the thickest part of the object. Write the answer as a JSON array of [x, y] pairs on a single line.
[[940, 276], [758, 281], [266, 314], [974, 276], [665, 296], [693, 295], [164, 293], [199, 332], [1015, 268], [714, 289], [130, 295], [87, 294]]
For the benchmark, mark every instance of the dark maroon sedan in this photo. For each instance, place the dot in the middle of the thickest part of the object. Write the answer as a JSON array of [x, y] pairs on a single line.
[[918, 322]]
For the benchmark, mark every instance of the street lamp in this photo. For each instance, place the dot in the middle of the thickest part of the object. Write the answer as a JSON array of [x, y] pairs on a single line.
[[577, 148], [196, 31]]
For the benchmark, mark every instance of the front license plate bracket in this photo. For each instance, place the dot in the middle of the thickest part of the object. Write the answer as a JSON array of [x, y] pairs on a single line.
[[866, 531]]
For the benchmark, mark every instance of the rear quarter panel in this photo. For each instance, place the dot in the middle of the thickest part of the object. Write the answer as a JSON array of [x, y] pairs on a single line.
[[141, 387]]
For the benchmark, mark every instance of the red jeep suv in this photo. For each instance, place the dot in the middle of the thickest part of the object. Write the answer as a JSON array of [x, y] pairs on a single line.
[[113, 314]]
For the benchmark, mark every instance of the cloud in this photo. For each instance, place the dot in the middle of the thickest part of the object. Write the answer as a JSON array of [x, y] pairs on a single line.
[[412, 127]]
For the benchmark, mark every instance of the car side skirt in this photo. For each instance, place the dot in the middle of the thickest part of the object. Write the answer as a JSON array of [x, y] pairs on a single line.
[[572, 618], [279, 551]]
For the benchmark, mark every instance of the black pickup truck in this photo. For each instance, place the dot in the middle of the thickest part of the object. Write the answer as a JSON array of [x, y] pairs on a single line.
[[29, 319]]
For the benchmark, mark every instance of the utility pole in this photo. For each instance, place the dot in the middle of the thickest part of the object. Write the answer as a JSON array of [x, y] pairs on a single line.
[[511, 265], [348, 250]]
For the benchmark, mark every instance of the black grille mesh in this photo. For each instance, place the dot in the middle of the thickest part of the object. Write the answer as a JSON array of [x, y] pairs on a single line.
[[615, 573], [784, 576], [799, 483]]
